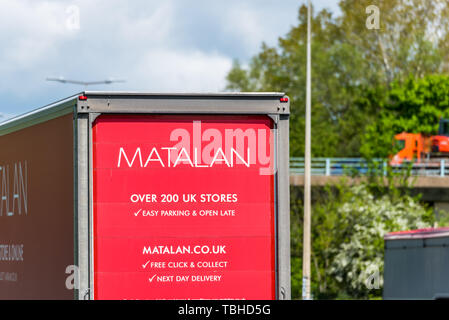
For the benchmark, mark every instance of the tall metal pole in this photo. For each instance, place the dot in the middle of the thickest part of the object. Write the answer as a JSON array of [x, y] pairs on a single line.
[[307, 196]]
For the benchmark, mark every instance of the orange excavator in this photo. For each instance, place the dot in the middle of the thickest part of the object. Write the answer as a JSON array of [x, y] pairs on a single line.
[[419, 147]]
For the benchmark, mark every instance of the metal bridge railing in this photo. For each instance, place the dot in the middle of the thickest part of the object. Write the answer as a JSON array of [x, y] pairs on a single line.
[[345, 166]]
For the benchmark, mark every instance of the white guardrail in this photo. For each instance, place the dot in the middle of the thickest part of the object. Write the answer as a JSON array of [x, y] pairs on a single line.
[[347, 166]]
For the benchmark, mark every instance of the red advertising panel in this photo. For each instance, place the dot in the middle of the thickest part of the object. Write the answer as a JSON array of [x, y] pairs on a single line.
[[183, 207]]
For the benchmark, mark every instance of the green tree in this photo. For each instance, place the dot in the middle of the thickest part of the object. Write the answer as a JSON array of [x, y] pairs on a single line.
[[369, 219], [411, 39], [352, 69], [414, 105]]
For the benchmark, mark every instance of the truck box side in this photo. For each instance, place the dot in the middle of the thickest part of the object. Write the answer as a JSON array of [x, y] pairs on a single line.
[[37, 197], [416, 265]]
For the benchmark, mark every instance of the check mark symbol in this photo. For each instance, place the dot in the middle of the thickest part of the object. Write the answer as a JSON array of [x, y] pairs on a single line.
[[136, 213], [151, 279], [145, 265]]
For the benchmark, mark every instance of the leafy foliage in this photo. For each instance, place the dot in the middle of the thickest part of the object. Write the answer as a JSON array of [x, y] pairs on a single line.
[[352, 67], [348, 225], [414, 106], [370, 219]]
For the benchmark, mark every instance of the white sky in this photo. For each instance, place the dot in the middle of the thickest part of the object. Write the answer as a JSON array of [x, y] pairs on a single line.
[[167, 46]]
